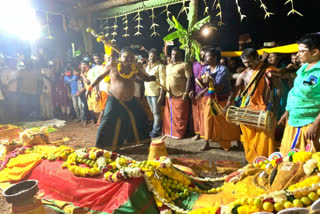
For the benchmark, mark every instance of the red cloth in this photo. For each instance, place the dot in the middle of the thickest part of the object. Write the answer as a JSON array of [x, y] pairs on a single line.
[[175, 118], [96, 194]]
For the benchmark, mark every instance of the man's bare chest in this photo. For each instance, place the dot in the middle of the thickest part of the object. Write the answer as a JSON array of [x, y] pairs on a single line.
[[248, 76]]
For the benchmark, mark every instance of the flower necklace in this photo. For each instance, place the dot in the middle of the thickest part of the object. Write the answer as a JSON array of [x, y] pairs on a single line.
[[133, 71]]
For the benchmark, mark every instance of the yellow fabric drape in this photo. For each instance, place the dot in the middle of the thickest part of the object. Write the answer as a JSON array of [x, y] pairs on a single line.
[[18, 167], [292, 48]]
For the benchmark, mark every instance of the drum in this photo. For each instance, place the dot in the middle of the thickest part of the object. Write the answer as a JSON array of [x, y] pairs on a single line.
[[256, 118]]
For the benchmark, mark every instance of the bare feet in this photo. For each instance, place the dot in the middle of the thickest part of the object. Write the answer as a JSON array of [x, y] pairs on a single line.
[[205, 146], [196, 137]]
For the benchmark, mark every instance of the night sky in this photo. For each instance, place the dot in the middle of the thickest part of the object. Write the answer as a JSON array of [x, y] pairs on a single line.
[[279, 27]]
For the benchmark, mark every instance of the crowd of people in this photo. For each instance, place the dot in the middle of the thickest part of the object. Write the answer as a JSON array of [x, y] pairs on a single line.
[[108, 93]]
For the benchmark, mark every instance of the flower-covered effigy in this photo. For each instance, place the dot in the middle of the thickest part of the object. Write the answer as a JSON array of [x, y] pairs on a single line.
[[267, 185], [279, 183]]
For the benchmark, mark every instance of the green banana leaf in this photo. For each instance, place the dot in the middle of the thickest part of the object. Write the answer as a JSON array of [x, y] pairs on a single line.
[[190, 16], [200, 23], [196, 50], [172, 36], [192, 47], [178, 25], [171, 24]]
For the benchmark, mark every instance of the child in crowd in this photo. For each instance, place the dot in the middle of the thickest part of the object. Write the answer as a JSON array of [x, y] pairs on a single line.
[[82, 101], [71, 81]]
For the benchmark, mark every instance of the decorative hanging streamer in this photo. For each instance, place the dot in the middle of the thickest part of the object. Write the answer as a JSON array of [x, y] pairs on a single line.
[[219, 14], [292, 11], [242, 16], [154, 25], [114, 27], [64, 24], [267, 13], [49, 33], [184, 8], [125, 22], [138, 19], [166, 11], [206, 9], [106, 28]]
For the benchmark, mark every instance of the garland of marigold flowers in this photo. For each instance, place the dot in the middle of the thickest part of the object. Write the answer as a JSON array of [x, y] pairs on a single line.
[[133, 71]]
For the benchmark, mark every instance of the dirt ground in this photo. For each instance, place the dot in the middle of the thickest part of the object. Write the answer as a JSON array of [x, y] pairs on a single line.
[[84, 136]]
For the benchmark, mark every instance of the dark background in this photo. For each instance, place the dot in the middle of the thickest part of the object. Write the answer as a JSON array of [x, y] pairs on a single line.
[[279, 27]]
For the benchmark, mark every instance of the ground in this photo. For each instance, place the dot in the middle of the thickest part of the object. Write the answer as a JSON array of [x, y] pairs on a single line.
[[84, 136]]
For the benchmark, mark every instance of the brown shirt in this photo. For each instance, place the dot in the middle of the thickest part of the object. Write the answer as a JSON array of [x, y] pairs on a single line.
[[176, 77]]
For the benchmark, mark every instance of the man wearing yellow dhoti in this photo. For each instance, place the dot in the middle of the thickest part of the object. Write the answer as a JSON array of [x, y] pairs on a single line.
[[302, 116]]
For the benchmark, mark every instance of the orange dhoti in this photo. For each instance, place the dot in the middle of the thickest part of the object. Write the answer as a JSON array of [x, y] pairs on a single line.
[[175, 118], [257, 142], [103, 100], [295, 137], [218, 129], [198, 116]]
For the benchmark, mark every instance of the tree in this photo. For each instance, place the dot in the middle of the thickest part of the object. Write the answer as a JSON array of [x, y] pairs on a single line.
[[190, 45]]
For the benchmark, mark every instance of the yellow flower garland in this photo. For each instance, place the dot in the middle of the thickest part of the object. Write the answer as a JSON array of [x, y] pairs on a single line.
[[301, 156], [308, 182], [247, 209], [51, 152], [208, 210], [133, 71]]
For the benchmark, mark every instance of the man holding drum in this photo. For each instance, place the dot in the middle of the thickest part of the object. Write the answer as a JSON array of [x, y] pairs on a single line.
[[258, 77], [302, 116]]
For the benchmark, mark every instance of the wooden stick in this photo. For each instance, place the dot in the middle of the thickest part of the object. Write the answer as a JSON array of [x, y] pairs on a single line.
[[93, 33]]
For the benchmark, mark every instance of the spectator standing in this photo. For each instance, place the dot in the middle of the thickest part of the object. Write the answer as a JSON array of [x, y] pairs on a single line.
[[302, 116], [153, 92], [216, 127], [178, 82], [46, 106], [197, 98], [71, 81]]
